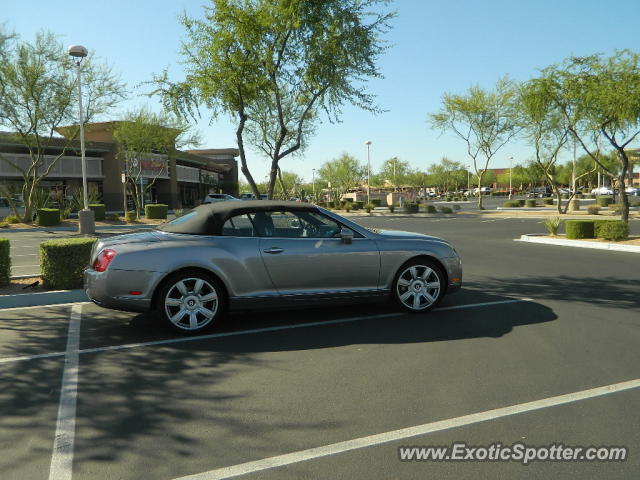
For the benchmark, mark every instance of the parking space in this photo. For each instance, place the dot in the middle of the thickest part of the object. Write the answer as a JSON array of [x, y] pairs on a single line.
[[153, 404]]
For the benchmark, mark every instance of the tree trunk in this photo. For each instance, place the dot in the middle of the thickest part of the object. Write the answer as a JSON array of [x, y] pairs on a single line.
[[623, 196], [243, 159], [480, 207], [273, 175]]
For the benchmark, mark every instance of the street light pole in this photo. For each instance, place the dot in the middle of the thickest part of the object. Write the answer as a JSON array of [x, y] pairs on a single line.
[[468, 178], [313, 181], [395, 185], [510, 188], [86, 217], [368, 143]]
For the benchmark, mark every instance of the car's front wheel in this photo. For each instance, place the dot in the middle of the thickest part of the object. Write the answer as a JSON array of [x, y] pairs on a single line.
[[190, 302], [418, 286]]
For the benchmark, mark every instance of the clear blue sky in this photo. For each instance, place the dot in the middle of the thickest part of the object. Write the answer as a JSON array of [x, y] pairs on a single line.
[[437, 47]]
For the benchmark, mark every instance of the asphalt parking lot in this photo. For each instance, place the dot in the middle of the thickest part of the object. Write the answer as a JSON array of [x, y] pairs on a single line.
[[332, 393]]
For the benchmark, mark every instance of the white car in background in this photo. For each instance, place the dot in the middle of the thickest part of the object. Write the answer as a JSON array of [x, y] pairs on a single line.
[[217, 197], [632, 191], [602, 191]]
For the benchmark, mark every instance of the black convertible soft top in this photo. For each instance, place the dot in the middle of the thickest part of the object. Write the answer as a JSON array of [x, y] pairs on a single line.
[[208, 219]]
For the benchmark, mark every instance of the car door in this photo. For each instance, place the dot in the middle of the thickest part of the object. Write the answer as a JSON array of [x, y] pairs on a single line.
[[304, 255]]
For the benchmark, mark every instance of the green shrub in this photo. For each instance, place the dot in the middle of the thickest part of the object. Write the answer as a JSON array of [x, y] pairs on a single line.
[[98, 210], [112, 217], [130, 216], [579, 228], [565, 196], [547, 201], [62, 262], [593, 210], [615, 208], [5, 262], [411, 208], [369, 206], [48, 217], [633, 201], [359, 204], [376, 202], [178, 212], [445, 210], [431, 209], [578, 196], [530, 203], [11, 219], [456, 206], [392, 208], [603, 201], [511, 204], [520, 202], [552, 225], [347, 206], [611, 229], [156, 211]]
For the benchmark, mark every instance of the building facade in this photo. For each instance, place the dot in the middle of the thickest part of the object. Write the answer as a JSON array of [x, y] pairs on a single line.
[[178, 179]]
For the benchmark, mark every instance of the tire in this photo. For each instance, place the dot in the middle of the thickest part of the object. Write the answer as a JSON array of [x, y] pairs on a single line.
[[191, 301], [418, 286]]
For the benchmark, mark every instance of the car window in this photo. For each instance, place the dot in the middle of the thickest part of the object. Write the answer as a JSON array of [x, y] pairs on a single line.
[[239, 226], [289, 224]]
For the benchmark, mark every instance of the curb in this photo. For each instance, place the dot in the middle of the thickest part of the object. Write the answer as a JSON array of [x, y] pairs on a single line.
[[532, 238], [42, 298], [71, 229]]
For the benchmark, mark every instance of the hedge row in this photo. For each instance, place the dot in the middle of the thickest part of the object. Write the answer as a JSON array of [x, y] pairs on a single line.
[[63, 261], [606, 229], [98, 210], [48, 217], [603, 201], [5, 262], [411, 208], [156, 211]]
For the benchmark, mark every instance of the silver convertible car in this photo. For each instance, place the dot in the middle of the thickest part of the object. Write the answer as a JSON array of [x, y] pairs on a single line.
[[261, 254]]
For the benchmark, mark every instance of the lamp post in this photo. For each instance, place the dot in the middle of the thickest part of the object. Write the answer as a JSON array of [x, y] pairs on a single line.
[[86, 217], [395, 185], [468, 179], [313, 182], [510, 189], [368, 143]]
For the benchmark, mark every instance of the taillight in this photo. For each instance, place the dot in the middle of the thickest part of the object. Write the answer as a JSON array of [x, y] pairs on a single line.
[[103, 259]]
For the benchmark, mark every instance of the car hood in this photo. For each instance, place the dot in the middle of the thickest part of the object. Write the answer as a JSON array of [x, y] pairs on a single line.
[[408, 235]]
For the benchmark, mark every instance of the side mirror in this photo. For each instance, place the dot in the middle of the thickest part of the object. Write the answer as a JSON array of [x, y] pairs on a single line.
[[346, 235]]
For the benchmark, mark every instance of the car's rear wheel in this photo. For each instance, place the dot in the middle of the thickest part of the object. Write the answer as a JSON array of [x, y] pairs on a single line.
[[418, 286], [191, 301]]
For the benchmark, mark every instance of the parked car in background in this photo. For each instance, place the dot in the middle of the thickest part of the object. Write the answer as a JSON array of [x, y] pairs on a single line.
[[247, 196], [261, 254], [476, 191], [632, 191], [540, 192], [218, 197], [602, 191]]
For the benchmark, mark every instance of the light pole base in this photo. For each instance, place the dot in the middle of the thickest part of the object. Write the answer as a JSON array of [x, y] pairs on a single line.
[[510, 196], [87, 222]]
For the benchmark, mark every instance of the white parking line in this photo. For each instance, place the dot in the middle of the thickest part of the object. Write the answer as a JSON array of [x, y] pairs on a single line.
[[394, 435], [44, 306], [62, 457], [251, 331], [26, 255], [23, 266]]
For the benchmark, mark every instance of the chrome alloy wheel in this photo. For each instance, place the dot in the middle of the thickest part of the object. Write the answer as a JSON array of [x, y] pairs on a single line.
[[191, 303], [418, 287]]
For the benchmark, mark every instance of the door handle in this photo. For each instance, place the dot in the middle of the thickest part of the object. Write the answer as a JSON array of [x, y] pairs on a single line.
[[273, 250]]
